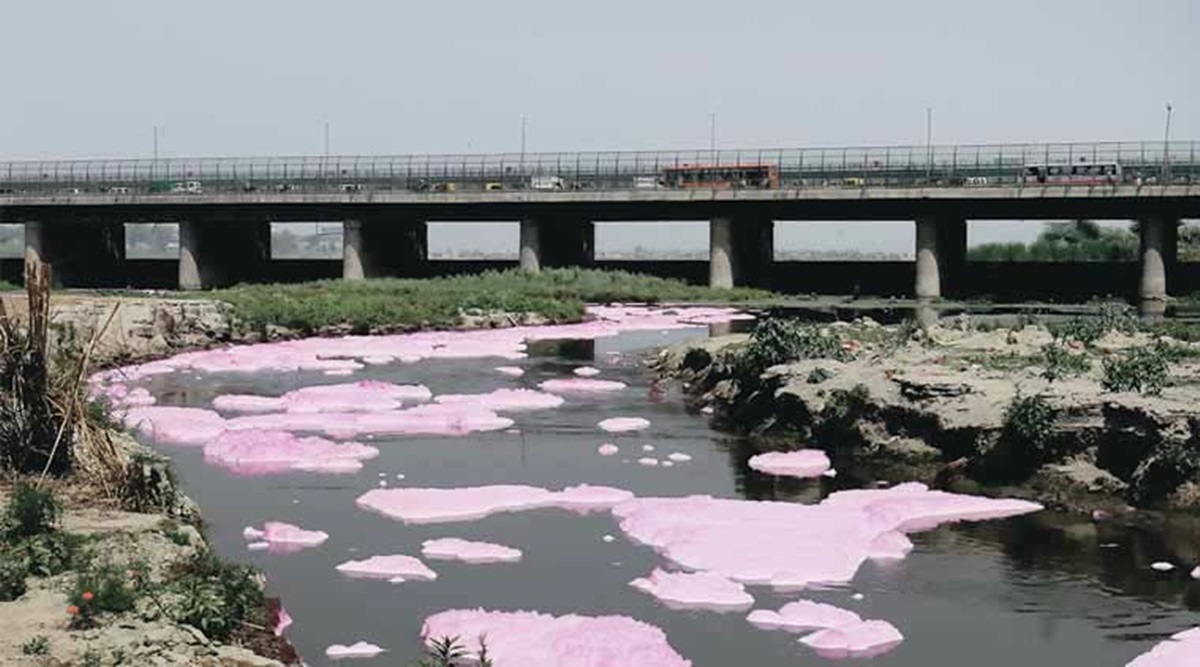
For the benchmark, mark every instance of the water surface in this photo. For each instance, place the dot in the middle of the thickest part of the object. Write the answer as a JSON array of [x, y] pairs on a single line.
[[1045, 589]]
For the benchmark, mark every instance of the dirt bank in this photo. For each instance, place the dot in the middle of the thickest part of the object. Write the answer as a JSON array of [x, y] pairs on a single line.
[[970, 409]]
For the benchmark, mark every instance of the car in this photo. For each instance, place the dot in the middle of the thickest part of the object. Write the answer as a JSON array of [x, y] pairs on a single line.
[[546, 183], [493, 186], [188, 187], [351, 187]]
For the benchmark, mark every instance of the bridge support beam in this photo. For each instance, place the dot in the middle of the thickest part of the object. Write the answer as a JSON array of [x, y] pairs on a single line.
[[941, 255], [378, 248], [217, 252], [82, 252], [1158, 255], [740, 252], [556, 242]]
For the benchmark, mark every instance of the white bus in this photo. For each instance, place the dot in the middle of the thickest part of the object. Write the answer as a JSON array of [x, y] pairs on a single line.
[[1083, 173]]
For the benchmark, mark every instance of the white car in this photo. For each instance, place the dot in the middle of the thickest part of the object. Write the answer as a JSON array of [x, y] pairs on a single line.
[[188, 187], [546, 183]]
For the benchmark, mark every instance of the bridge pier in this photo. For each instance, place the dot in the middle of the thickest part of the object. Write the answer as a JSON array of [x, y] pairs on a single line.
[[1158, 255], [222, 252], [83, 253], [741, 252], [941, 255], [377, 248], [556, 242]]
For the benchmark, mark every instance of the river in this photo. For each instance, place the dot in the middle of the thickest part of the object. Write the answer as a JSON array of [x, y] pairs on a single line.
[[1040, 589]]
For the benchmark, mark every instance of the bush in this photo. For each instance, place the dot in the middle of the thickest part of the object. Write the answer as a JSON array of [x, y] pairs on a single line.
[[1030, 420], [37, 645], [818, 375], [777, 341], [48, 554], [30, 512], [447, 652], [843, 408], [1059, 362], [217, 597], [1117, 317], [12, 577], [1169, 464], [1142, 369], [104, 588]]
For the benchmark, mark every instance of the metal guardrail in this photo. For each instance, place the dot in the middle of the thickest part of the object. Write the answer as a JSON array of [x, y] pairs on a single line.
[[896, 166]]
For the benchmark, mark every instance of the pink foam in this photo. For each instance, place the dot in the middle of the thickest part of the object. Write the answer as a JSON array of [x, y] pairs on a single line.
[[426, 505], [623, 424], [284, 537], [801, 463], [803, 616], [356, 650], [283, 621], [452, 548], [866, 639], [697, 590], [526, 639], [586, 371], [511, 371], [505, 400], [430, 419], [608, 449], [247, 403], [181, 426], [255, 452], [648, 461], [387, 567], [584, 385], [1182, 649], [788, 545]]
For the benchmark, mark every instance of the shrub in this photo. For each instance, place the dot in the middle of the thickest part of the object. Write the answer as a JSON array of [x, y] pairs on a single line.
[[1059, 362], [48, 554], [818, 375], [100, 589], [1030, 420], [12, 577], [30, 512], [1141, 369], [1111, 317], [217, 597], [447, 652], [37, 645], [843, 408], [1169, 464], [777, 341]]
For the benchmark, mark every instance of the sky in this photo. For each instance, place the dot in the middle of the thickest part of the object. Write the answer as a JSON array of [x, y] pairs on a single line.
[[224, 77]]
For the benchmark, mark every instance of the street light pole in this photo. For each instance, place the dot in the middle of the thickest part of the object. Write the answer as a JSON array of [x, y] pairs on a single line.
[[1166, 166], [928, 143], [712, 136]]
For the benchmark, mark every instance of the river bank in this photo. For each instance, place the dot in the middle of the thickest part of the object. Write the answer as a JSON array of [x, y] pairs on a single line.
[[1091, 415]]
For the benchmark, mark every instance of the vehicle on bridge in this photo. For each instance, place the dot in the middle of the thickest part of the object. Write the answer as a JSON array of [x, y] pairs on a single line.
[[1084, 173], [719, 177], [188, 187], [546, 183]]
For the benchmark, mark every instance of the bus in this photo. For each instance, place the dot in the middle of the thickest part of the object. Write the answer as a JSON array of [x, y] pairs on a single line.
[[720, 177], [1084, 173]]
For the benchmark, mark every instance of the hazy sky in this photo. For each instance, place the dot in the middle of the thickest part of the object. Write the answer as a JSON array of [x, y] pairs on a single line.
[[87, 78]]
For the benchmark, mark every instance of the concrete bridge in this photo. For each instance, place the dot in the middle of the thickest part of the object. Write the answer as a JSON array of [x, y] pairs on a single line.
[[74, 211]]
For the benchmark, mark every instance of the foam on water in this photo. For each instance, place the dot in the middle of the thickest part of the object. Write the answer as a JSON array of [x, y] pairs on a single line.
[[283, 537], [801, 463], [425, 505], [694, 590], [387, 568], [452, 548]]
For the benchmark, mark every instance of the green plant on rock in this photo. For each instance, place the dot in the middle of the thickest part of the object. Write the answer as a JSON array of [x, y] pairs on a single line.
[[217, 597], [1059, 362], [818, 375], [30, 511], [12, 577], [36, 645], [843, 408], [1117, 317], [91, 658], [1169, 464], [48, 554], [1141, 369], [1030, 420], [104, 588], [775, 341]]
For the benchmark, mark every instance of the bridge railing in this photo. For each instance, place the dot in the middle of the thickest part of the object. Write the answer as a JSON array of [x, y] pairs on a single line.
[[798, 167]]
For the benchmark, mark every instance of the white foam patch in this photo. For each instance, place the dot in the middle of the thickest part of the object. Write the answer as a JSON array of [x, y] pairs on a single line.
[[580, 385], [280, 537], [694, 590], [387, 568], [356, 650], [802, 463], [426, 505], [623, 424], [477, 553]]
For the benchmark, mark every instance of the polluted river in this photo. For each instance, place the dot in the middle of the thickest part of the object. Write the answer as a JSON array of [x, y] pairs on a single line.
[[437, 483]]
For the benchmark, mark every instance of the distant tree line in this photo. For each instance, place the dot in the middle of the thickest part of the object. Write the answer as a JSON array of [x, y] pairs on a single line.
[[1082, 241]]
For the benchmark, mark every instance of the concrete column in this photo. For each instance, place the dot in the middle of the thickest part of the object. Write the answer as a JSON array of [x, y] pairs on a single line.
[[189, 256], [531, 247], [929, 280], [379, 246], [1157, 253], [83, 252], [217, 252], [720, 253], [352, 251]]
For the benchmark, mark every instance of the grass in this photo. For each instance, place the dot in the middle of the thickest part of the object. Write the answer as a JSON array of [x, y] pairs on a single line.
[[6, 286], [558, 295]]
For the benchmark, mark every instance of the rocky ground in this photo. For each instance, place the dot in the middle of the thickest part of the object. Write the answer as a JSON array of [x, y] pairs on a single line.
[[34, 629], [931, 404]]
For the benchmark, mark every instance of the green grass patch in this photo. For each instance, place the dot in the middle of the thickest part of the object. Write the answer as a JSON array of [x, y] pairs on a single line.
[[558, 295], [6, 286]]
